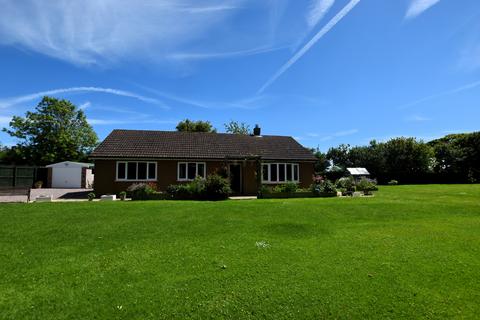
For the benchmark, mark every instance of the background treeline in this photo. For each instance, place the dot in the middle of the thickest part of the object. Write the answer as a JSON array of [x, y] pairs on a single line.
[[454, 158]]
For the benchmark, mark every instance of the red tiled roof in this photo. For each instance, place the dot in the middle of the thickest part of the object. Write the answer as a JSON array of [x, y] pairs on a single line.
[[198, 145]]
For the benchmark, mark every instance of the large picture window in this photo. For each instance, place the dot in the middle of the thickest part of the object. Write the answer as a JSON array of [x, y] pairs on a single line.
[[136, 171], [280, 172], [188, 171]]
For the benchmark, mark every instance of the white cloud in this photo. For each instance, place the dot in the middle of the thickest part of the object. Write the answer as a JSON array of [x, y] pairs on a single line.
[[103, 31], [417, 7], [441, 94], [85, 105], [317, 11], [338, 17], [8, 102]]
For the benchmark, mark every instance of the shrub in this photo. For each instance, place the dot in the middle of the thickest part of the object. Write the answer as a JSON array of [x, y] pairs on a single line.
[[347, 183], [122, 195], [216, 187], [179, 191], [91, 196], [140, 191], [329, 187], [325, 188], [392, 182], [38, 184], [289, 187], [265, 189], [367, 186]]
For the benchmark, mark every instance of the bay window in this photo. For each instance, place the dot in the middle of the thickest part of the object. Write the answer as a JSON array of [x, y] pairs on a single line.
[[280, 172], [136, 171], [188, 171]]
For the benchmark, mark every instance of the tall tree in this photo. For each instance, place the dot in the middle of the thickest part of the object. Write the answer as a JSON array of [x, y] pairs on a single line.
[[236, 127], [188, 125], [55, 131]]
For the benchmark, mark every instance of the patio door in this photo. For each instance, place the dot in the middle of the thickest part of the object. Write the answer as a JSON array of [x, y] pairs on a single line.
[[236, 178]]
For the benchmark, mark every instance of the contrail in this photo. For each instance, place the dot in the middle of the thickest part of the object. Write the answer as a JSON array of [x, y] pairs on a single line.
[[442, 94], [311, 43], [29, 97]]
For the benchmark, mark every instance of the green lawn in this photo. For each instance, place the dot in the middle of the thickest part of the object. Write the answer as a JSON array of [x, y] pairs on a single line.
[[409, 252]]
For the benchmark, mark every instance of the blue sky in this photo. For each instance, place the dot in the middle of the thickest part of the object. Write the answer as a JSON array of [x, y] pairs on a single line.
[[324, 71]]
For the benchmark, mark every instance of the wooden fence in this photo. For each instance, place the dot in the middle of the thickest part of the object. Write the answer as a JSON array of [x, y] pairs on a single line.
[[21, 176]]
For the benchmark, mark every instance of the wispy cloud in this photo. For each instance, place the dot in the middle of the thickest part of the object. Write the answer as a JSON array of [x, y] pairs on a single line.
[[85, 105], [417, 118], [318, 9], [108, 122], [99, 32], [221, 55], [417, 7], [338, 17], [5, 120], [334, 135], [249, 103], [441, 94], [8, 102]]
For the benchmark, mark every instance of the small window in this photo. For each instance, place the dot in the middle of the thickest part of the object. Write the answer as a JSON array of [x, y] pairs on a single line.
[[182, 171], [142, 171], [152, 171], [265, 172], [189, 170], [289, 172], [295, 172], [201, 170], [192, 170], [273, 172], [132, 171], [121, 170], [281, 172]]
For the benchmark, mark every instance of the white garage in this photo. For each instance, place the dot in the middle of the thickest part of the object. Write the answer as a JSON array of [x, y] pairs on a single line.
[[70, 175]]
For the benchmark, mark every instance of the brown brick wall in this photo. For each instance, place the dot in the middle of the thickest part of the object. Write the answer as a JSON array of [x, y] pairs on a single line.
[[167, 174]]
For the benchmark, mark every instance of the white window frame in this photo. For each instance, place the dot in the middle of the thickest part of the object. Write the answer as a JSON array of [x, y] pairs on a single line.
[[136, 173], [269, 164], [186, 170]]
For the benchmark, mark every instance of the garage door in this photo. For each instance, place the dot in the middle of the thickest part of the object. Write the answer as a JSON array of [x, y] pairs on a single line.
[[66, 177]]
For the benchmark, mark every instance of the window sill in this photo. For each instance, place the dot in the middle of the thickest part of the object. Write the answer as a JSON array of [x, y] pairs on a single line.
[[146, 180]]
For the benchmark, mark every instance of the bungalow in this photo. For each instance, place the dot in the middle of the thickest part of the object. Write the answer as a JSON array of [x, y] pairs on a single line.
[[166, 157]]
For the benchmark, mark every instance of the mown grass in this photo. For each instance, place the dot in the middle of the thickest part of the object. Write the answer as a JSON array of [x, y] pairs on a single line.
[[409, 252]]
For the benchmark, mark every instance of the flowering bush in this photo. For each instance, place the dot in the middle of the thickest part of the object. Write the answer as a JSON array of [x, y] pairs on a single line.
[[141, 191], [214, 187], [367, 186]]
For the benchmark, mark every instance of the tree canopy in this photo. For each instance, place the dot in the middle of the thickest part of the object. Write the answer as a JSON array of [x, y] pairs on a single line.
[[56, 131], [188, 125], [236, 127]]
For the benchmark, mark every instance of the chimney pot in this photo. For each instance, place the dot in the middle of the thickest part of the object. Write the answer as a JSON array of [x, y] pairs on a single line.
[[256, 130]]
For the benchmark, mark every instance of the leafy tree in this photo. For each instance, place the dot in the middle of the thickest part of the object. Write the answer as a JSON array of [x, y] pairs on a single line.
[[322, 162], [195, 126], [407, 160], [55, 131], [340, 156], [236, 127], [457, 157]]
